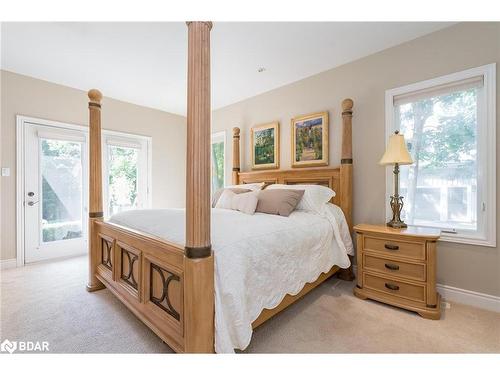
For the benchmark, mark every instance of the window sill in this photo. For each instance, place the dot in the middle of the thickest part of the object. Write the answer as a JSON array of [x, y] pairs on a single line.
[[457, 238], [468, 241]]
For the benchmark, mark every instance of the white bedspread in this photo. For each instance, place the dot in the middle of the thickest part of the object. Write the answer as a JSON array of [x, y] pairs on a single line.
[[258, 259]]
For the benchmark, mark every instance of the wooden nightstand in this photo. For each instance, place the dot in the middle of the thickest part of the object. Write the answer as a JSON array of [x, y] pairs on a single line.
[[398, 267]]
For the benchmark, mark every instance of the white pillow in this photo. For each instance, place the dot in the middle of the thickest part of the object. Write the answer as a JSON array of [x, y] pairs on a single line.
[[244, 202], [315, 196], [254, 186]]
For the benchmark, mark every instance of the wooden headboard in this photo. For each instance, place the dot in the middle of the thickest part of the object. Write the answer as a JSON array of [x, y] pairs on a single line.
[[329, 177], [339, 178]]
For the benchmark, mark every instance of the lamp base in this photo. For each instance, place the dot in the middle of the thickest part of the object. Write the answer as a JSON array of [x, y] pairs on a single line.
[[397, 207], [397, 224]]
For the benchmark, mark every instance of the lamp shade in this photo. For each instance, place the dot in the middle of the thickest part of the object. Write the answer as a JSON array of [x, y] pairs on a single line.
[[396, 151]]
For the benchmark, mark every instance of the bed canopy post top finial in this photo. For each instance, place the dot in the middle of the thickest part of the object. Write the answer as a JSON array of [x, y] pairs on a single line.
[[347, 105], [95, 96]]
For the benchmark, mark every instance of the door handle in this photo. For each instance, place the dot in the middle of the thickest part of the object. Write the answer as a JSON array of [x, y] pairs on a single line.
[[31, 203]]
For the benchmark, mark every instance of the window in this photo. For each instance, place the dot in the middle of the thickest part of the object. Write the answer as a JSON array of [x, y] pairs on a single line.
[[61, 189], [218, 152], [449, 127], [126, 180]]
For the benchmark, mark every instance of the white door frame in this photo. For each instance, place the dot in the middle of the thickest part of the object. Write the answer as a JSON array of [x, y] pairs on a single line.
[[20, 140]]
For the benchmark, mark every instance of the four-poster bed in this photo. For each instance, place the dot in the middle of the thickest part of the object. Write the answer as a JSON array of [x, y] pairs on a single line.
[[170, 286]]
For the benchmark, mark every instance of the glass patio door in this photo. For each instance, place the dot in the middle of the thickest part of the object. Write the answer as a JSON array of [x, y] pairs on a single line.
[[55, 192]]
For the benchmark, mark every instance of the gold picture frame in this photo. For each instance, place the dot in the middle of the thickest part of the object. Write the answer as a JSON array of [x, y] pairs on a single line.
[[305, 129], [265, 146]]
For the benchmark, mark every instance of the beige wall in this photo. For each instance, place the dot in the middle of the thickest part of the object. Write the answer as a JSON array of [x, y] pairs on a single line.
[[23, 95], [453, 49]]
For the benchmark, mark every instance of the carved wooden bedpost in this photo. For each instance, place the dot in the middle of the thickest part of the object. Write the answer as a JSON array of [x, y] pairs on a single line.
[[346, 161], [346, 175], [236, 155], [95, 185], [198, 260]]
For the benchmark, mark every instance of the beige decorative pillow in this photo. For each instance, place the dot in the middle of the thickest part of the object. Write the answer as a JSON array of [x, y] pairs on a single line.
[[217, 194], [315, 196], [279, 201], [244, 202]]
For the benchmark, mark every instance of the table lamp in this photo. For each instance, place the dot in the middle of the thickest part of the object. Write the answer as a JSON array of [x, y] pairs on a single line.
[[397, 154]]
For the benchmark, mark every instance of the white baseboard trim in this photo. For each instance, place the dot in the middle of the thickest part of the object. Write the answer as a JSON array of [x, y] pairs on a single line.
[[8, 263], [469, 297], [464, 296]]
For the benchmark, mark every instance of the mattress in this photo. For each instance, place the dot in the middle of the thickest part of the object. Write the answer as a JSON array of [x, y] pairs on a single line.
[[259, 258]]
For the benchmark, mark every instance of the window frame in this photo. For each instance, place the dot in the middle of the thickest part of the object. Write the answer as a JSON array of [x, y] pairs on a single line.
[[485, 236], [141, 142], [217, 137]]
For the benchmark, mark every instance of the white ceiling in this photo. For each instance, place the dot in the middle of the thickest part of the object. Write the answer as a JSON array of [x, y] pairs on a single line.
[[145, 63]]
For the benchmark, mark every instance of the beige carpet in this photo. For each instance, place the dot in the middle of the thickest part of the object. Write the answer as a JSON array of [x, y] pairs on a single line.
[[48, 302]]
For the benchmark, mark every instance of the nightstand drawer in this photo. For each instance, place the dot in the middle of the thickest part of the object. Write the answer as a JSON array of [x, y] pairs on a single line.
[[413, 250], [393, 287], [392, 267]]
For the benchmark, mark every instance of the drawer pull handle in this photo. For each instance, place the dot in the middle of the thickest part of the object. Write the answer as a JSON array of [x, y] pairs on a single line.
[[391, 247], [393, 267], [391, 286]]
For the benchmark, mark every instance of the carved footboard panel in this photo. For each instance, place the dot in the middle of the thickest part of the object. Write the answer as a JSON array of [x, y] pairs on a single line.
[[148, 275]]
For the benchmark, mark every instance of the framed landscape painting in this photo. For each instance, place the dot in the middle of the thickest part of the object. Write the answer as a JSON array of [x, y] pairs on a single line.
[[265, 141], [310, 140]]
